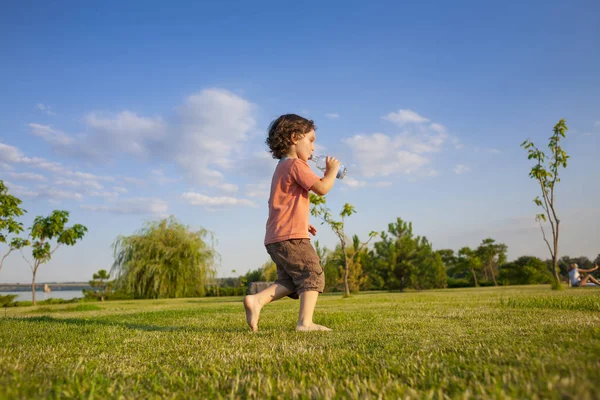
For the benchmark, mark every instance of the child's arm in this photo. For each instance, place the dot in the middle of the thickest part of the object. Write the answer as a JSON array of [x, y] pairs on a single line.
[[325, 184]]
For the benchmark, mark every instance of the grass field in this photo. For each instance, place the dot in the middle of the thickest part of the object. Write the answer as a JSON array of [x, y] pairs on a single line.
[[511, 342]]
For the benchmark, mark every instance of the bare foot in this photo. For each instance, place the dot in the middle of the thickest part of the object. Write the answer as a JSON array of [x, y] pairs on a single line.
[[311, 327], [252, 312]]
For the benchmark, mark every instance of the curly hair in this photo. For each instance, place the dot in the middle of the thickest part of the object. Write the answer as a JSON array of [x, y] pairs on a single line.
[[283, 130]]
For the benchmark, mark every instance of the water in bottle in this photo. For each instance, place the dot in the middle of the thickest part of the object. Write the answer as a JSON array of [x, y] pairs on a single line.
[[320, 162]]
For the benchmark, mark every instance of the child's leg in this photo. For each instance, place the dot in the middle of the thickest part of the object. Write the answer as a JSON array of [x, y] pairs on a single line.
[[308, 301], [255, 302]]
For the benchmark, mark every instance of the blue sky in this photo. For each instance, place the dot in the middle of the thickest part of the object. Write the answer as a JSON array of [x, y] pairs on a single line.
[[126, 112]]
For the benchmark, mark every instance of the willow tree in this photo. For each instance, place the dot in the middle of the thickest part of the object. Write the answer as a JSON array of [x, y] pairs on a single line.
[[165, 259]]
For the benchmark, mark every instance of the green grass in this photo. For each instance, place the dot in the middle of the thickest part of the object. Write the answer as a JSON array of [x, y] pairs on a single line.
[[511, 342]]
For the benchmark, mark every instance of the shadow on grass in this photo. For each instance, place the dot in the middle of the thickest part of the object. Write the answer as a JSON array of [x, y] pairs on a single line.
[[128, 325]]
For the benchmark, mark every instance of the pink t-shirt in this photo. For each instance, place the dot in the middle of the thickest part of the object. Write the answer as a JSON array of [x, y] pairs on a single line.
[[289, 203]]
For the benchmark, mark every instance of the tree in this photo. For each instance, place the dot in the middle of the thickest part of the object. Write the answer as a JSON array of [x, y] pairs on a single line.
[[9, 210], [526, 270], [371, 267], [448, 257], [491, 255], [269, 269], [356, 278], [394, 253], [407, 261], [100, 284], [42, 232], [469, 261], [430, 271], [164, 259], [330, 262], [546, 173], [319, 209], [322, 252], [266, 272]]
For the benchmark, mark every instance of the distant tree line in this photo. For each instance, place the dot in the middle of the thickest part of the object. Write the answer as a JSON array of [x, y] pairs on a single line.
[[400, 260]]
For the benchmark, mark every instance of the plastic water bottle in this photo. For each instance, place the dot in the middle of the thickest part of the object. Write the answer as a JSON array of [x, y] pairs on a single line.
[[320, 162]]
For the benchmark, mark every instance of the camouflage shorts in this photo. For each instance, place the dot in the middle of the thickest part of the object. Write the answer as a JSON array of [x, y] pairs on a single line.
[[298, 266]]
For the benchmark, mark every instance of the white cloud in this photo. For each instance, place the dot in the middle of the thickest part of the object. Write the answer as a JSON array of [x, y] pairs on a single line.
[[228, 187], [132, 206], [407, 152], [133, 181], [18, 190], [85, 175], [204, 137], [258, 190], [353, 183], [487, 150], [50, 135], [46, 109], [461, 169], [50, 193], [438, 128], [197, 199], [403, 117], [381, 155], [65, 176], [106, 195], [88, 184], [80, 184], [10, 154], [213, 125], [320, 150], [256, 166], [107, 136], [120, 189], [45, 165], [159, 176], [125, 132], [45, 192], [457, 144], [27, 176], [383, 184], [332, 115]]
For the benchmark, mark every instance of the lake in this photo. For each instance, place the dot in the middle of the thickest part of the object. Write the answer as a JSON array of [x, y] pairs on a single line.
[[40, 295]]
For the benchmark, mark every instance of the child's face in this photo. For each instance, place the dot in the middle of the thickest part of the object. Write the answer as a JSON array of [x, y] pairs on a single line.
[[306, 146]]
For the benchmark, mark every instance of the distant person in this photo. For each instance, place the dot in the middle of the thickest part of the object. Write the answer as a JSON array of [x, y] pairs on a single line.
[[577, 280], [291, 140]]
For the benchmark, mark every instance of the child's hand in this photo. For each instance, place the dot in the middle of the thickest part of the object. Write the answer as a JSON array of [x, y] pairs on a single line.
[[332, 164], [312, 230]]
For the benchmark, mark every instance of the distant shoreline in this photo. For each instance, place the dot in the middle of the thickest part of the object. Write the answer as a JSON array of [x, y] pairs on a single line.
[[54, 286]]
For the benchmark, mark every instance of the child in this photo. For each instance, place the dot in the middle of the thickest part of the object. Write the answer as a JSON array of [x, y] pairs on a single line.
[[299, 273]]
